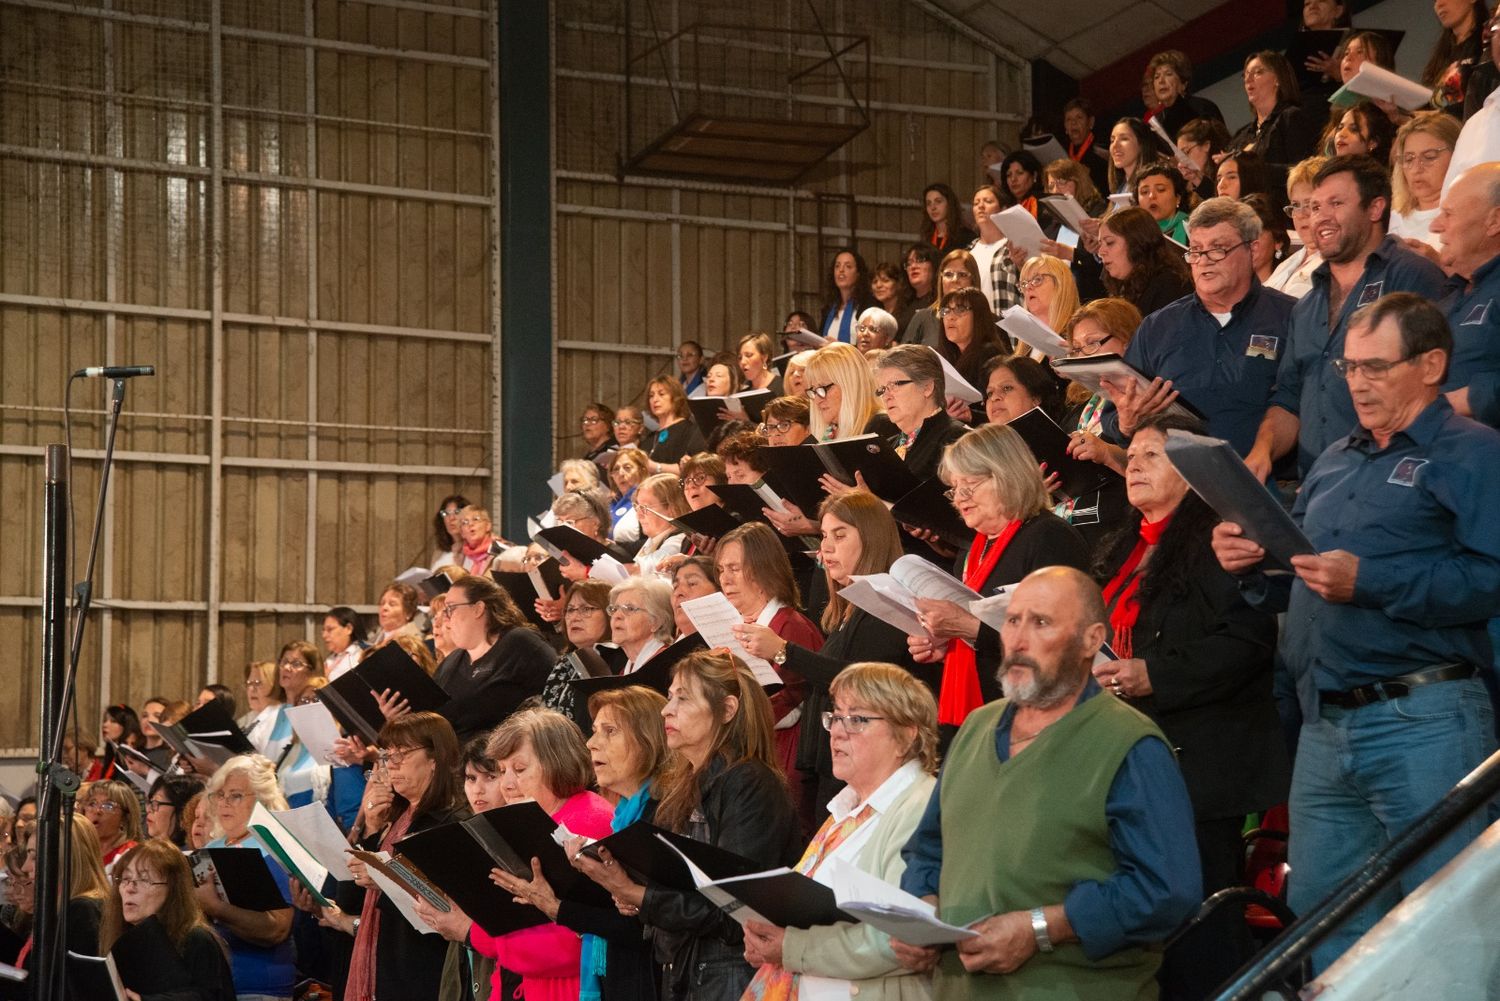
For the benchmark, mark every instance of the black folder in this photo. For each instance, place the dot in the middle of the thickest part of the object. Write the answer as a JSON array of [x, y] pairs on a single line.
[[435, 585], [244, 876], [1305, 44], [706, 408], [713, 522], [522, 593], [873, 457], [927, 507], [786, 899], [655, 674], [638, 848], [793, 471], [741, 500], [207, 731], [1049, 444], [351, 696], [567, 539], [148, 961]]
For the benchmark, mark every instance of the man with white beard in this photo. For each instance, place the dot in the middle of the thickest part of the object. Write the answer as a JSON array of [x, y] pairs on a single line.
[[1060, 827]]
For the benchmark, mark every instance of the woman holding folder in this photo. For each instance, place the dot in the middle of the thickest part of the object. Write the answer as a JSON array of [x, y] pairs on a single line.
[[883, 729]]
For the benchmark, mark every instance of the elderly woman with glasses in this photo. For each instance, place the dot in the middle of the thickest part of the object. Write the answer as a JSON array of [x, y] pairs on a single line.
[[640, 619], [260, 945], [153, 885], [598, 433], [882, 725], [787, 420], [628, 426], [114, 809], [1294, 275], [169, 794], [585, 624], [657, 499], [910, 382], [997, 490], [875, 330]]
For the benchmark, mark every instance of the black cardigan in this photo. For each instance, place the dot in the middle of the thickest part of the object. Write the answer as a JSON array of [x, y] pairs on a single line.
[[199, 971], [1287, 136], [404, 955], [483, 693], [936, 433], [1209, 657], [670, 444]]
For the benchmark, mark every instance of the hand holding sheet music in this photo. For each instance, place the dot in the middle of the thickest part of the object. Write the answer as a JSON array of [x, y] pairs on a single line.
[[715, 619], [1020, 228]]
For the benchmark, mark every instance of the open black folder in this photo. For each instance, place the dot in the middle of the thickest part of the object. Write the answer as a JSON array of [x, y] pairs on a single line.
[[561, 539], [457, 858], [1049, 444], [148, 961], [242, 876], [783, 897], [927, 507], [706, 408], [206, 732], [713, 522], [656, 673], [873, 457], [351, 696], [1216, 473]]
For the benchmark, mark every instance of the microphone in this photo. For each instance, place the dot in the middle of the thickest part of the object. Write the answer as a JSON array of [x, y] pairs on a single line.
[[114, 371]]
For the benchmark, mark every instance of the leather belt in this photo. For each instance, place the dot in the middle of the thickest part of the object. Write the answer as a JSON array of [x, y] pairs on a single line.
[[1395, 688]]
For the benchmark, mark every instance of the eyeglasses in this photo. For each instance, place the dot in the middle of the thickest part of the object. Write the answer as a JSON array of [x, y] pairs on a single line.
[[852, 724], [450, 606], [892, 386], [1088, 347], [779, 427], [962, 493], [102, 805], [953, 276], [821, 392], [626, 422], [1294, 209], [152, 805], [392, 758], [1031, 283], [1426, 158], [591, 420], [295, 665], [866, 327], [1213, 255], [1374, 369], [254, 683], [581, 609], [959, 310], [132, 883], [232, 798], [627, 609], [696, 480], [449, 512]]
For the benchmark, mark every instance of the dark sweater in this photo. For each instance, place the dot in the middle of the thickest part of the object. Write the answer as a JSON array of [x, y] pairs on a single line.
[[485, 692]]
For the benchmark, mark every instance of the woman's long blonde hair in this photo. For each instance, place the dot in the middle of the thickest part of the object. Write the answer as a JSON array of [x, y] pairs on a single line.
[[843, 365]]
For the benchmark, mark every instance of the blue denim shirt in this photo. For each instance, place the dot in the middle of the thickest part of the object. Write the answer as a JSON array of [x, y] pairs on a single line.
[[1226, 373], [1158, 882], [1306, 384], [1474, 316], [1421, 516]]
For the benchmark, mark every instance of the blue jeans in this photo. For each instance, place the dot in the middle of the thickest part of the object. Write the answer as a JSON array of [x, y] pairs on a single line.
[[1362, 776]]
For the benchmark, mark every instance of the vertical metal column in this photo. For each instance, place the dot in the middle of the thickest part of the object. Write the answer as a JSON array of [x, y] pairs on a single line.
[[216, 337], [525, 198]]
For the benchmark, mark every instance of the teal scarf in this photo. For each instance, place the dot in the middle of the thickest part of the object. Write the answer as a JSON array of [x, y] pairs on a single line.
[[592, 957]]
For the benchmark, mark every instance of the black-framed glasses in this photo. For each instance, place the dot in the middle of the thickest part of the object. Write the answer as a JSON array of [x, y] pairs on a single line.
[[821, 392], [450, 606], [892, 386], [1213, 255], [152, 805], [852, 724], [1374, 369], [1091, 347], [778, 427], [133, 883], [958, 309], [696, 480]]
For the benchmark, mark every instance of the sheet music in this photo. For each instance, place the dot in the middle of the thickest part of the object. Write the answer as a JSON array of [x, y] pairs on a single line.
[[1183, 160], [315, 831], [1026, 328], [1068, 210], [265, 822], [955, 384], [1020, 228], [607, 568], [884, 597], [926, 581], [888, 908], [1381, 84], [314, 725], [715, 619]]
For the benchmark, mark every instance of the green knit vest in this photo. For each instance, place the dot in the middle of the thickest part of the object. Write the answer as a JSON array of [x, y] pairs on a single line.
[[1019, 834]]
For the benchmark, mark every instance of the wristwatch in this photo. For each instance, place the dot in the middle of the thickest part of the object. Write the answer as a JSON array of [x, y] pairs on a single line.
[[1039, 929], [780, 657]]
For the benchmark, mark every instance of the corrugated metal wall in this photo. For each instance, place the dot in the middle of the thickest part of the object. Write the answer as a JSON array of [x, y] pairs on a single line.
[[321, 382], [645, 264]]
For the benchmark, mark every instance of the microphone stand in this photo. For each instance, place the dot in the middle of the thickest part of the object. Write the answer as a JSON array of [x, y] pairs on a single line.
[[57, 784]]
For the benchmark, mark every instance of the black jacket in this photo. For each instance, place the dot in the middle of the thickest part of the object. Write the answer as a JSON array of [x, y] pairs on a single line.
[[1209, 657], [936, 433], [155, 969], [633, 973], [485, 692], [408, 963], [1287, 136], [746, 809]]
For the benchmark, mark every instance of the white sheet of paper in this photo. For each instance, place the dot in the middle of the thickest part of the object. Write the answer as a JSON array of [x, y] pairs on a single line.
[[315, 726], [864, 591], [555, 481], [715, 619], [315, 830], [808, 337], [1067, 237], [607, 568], [1024, 327], [1020, 228], [772, 499], [304, 859], [1068, 209], [924, 580], [955, 384], [1045, 148], [888, 908], [1381, 84], [1123, 200], [404, 901], [413, 575], [538, 584], [1183, 160], [991, 610]]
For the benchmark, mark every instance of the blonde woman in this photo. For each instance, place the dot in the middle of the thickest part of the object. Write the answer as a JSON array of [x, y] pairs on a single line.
[[1049, 293], [1419, 164], [629, 469], [658, 498]]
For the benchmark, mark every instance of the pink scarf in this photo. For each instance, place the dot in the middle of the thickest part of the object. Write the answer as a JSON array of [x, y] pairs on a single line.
[[361, 983]]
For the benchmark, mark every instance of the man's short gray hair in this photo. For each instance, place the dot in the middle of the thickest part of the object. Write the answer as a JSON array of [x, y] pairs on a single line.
[[1220, 210]]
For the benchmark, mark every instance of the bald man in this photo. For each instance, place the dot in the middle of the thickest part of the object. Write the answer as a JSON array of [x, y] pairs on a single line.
[[1468, 228], [1060, 819]]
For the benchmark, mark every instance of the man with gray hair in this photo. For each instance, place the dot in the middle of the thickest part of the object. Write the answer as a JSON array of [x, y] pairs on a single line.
[[1217, 347], [1468, 227]]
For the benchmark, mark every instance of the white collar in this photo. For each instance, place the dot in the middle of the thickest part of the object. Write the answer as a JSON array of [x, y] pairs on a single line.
[[653, 647], [768, 613], [844, 805]]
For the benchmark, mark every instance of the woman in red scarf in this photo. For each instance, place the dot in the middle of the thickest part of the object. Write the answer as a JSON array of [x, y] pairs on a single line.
[[1197, 660], [475, 532], [997, 489]]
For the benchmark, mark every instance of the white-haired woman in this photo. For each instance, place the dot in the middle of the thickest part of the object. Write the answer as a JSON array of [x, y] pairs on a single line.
[[260, 946], [640, 619], [875, 330], [658, 498]]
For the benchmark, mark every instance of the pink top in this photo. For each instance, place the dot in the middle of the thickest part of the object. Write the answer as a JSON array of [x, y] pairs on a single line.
[[547, 956]]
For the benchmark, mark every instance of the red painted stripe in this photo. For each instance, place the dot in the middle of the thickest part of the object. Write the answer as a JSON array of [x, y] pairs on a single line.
[[1221, 30]]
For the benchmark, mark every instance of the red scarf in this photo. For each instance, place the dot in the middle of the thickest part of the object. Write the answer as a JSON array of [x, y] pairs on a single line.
[[1029, 204], [1121, 594], [959, 693], [1077, 154], [475, 556]]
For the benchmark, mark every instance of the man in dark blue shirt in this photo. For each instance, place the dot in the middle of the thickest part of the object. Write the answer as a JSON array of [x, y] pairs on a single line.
[[1468, 224], [1097, 871], [1385, 628], [1310, 408], [1218, 347]]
